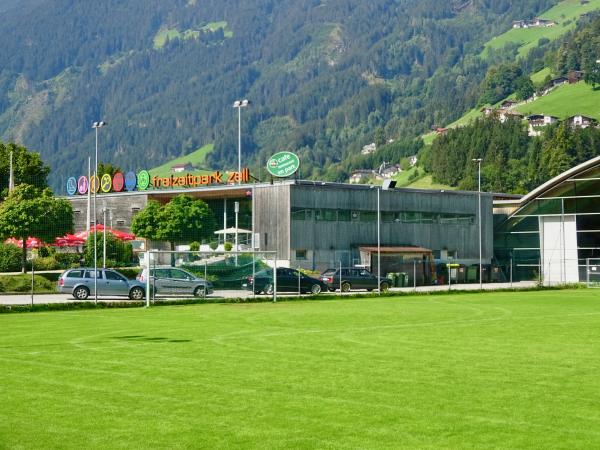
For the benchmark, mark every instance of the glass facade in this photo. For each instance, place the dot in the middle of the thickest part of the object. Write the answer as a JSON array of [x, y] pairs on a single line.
[[421, 217], [558, 229]]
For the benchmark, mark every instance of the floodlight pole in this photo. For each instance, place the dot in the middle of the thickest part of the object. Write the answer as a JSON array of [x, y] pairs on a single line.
[[96, 126], [478, 161], [239, 104], [378, 242]]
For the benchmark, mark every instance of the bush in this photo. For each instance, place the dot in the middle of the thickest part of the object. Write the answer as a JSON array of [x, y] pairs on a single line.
[[227, 246], [213, 246], [195, 246], [118, 252], [44, 252], [67, 260], [10, 258], [45, 263]]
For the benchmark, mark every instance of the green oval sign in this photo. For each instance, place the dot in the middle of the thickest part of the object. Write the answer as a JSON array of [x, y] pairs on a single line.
[[283, 164], [143, 180]]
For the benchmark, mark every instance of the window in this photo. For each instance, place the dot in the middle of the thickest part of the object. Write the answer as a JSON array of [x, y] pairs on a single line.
[[411, 217], [75, 274], [299, 214], [135, 209], [301, 254], [388, 216], [90, 274], [120, 223], [368, 216], [110, 275], [427, 217], [161, 273], [343, 215], [179, 274], [318, 214], [77, 211], [330, 215], [355, 216]]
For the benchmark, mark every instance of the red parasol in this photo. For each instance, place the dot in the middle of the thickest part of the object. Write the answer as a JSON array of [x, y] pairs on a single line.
[[100, 228]]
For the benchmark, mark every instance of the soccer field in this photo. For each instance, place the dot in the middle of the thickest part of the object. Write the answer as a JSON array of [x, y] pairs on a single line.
[[494, 370]]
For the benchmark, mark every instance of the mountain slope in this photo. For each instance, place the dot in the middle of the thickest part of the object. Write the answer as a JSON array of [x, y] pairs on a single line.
[[323, 76]]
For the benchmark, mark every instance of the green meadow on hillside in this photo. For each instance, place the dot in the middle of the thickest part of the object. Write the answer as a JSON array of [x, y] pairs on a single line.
[[196, 158], [565, 14], [566, 101]]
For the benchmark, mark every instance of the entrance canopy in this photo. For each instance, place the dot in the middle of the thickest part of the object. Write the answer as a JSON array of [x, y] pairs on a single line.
[[233, 230]]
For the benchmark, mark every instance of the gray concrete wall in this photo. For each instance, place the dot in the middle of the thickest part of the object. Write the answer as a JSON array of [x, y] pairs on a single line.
[[122, 206]]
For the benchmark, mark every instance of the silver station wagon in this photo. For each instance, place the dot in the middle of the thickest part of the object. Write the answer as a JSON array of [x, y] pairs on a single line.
[[172, 280], [80, 283]]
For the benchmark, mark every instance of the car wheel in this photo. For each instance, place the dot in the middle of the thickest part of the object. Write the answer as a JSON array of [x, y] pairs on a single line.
[[81, 293], [331, 289], [384, 286], [315, 289], [269, 289], [346, 286], [200, 291], [136, 293], [370, 290]]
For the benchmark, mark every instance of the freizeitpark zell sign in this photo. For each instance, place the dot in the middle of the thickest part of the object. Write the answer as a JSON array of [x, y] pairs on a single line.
[[283, 164], [144, 181]]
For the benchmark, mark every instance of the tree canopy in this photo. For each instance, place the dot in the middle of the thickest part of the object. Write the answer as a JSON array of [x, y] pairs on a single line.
[[28, 167], [183, 219], [32, 212]]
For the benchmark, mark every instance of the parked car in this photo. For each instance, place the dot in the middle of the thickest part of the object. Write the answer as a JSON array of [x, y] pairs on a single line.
[[353, 278], [173, 280], [288, 280], [80, 283]]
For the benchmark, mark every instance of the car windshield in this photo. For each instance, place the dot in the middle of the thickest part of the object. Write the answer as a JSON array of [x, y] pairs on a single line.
[[329, 272]]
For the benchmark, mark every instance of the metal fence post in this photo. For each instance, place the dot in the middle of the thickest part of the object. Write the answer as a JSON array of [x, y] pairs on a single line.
[[340, 277], [511, 272], [587, 272], [205, 279], [415, 273], [32, 280], [148, 292], [275, 280], [299, 290]]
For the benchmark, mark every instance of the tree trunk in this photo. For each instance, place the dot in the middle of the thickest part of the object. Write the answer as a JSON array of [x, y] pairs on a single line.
[[24, 257]]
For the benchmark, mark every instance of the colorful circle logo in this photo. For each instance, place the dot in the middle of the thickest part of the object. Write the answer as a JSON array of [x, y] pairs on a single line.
[[94, 184], [82, 185], [106, 183], [143, 180], [130, 181], [118, 182], [71, 186]]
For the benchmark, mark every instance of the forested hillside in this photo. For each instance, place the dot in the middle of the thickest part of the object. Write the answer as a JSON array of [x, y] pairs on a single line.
[[324, 77]]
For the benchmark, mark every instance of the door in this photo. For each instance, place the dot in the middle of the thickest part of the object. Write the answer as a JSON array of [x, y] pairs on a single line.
[[161, 281], [558, 236], [89, 281], [114, 283], [180, 281]]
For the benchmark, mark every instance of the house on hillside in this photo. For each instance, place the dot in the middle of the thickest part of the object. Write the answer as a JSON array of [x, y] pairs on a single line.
[[535, 23], [390, 171], [537, 121], [581, 121], [541, 120], [178, 168], [441, 131], [575, 76], [508, 103], [361, 175], [504, 115], [368, 149], [413, 160], [487, 111]]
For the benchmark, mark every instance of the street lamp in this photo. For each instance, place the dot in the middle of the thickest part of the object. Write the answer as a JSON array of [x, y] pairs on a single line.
[[478, 161], [239, 104], [96, 126]]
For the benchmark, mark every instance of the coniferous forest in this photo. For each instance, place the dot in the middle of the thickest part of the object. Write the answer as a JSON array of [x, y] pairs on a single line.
[[324, 79]]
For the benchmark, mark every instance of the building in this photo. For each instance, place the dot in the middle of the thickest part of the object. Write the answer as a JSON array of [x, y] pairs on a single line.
[[361, 175], [581, 121], [316, 225], [554, 231], [178, 168], [368, 149]]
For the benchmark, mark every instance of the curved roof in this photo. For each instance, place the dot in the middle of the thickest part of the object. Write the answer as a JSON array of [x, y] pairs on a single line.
[[548, 185]]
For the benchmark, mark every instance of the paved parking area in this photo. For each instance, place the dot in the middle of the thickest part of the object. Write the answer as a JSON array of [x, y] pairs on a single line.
[[20, 299]]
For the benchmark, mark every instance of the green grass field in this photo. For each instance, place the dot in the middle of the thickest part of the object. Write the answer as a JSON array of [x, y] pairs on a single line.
[[564, 13], [495, 370], [566, 101]]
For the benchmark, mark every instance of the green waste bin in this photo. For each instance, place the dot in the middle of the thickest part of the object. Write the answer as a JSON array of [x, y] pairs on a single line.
[[472, 274], [402, 279], [394, 277]]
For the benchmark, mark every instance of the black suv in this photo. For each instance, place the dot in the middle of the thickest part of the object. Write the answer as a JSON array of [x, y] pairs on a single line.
[[353, 279]]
